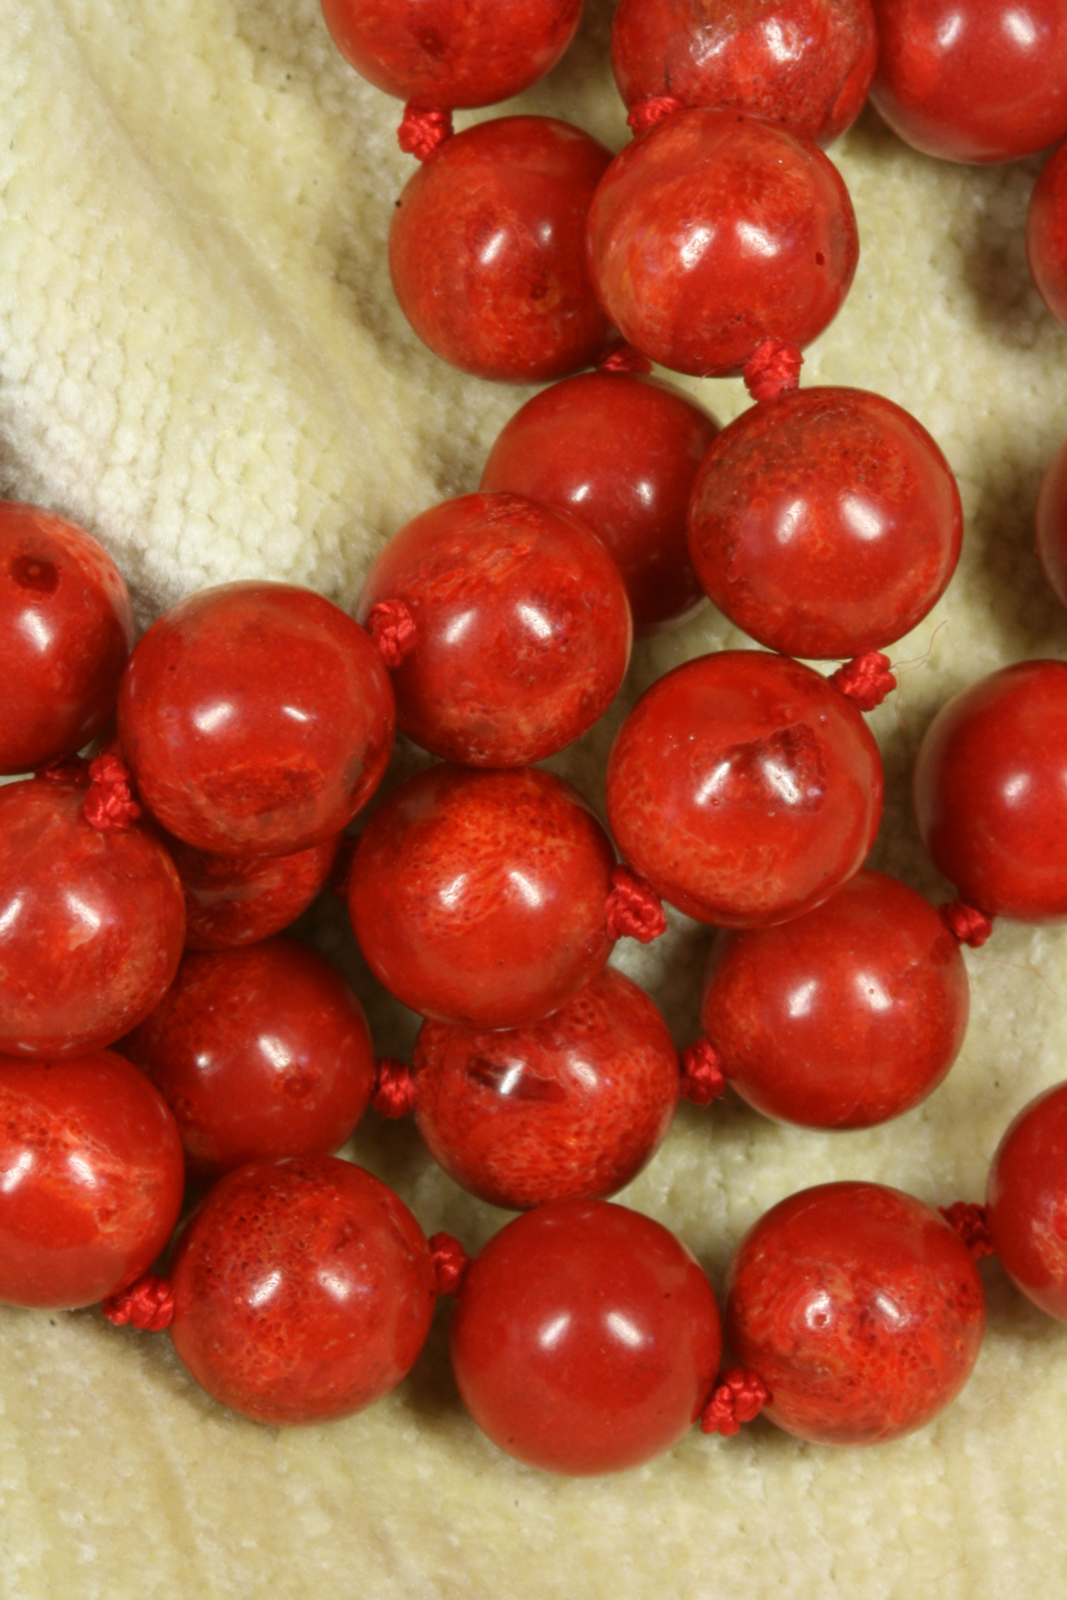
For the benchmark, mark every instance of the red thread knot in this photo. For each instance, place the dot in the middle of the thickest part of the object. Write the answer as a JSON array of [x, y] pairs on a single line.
[[450, 1262], [646, 113], [966, 923], [70, 769], [147, 1303], [633, 909], [865, 679], [703, 1079], [624, 359], [394, 1088], [738, 1396], [969, 1221], [109, 805], [392, 627], [772, 369], [423, 130]]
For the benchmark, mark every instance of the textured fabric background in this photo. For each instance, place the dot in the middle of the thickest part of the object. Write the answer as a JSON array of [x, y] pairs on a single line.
[[201, 361]]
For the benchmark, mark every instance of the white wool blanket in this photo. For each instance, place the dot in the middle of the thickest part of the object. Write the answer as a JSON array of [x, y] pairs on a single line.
[[201, 360]]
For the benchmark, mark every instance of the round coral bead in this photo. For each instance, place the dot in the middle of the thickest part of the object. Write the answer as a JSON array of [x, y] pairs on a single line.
[[479, 897], [621, 453], [91, 923], [844, 1017], [860, 1309], [745, 787], [235, 900], [568, 1108], [586, 1338], [990, 791], [439, 54], [522, 628], [259, 1052], [973, 80], [487, 250], [805, 65], [1046, 234], [303, 1290], [713, 232], [1026, 1201], [825, 523], [1051, 524], [257, 719], [66, 629], [91, 1179]]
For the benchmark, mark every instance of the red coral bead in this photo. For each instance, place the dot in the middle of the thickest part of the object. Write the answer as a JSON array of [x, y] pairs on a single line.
[[825, 523], [844, 1017], [303, 1290], [522, 628], [973, 80], [586, 1338], [236, 900], [803, 64], [258, 1052], [478, 897], [438, 53], [487, 250], [257, 718], [1052, 524], [990, 791], [1026, 1201], [621, 453], [66, 629], [713, 232], [91, 1179], [860, 1309], [91, 923], [1046, 234], [568, 1108], [745, 787]]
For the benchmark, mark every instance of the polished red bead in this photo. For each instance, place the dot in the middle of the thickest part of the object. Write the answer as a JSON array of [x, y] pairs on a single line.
[[1051, 523], [91, 923], [522, 628], [620, 452], [478, 897], [438, 53], [715, 231], [973, 80], [236, 900], [568, 1108], [303, 1290], [745, 787], [990, 791], [825, 523], [257, 718], [263, 1051], [66, 629], [1046, 234], [841, 1018], [487, 250], [585, 1339], [860, 1309], [1026, 1201], [805, 65], [91, 1179]]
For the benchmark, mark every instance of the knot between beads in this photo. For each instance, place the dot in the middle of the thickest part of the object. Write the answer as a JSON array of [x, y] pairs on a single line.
[[394, 1092], [625, 359], [423, 130], [633, 909], [866, 679], [738, 1396], [109, 805], [450, 1262], [772, 369], [392, 628], [147, 1303], [646, 113], [703, 1079], [966, 923]]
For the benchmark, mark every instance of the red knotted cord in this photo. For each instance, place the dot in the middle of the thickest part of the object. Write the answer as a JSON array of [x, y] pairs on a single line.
[[969, 1221], [865, 679], [966, 923], [703, 1079], [109, 805], [392, 627], [423, 130], [624, 359], [738, 1396], [772, 369], [394, 1091], [450, 1262], [646, 113], [147, 1303], [633, 909]]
